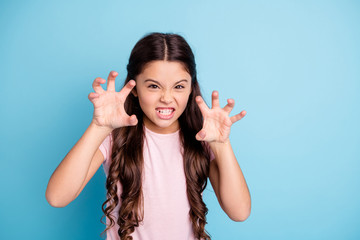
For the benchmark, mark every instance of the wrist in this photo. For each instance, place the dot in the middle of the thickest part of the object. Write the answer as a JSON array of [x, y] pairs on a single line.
[[99, 128], [216, 145], [220, 148]]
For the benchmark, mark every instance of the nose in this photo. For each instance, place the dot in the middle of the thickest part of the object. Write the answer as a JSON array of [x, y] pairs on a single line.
[[166, 97]]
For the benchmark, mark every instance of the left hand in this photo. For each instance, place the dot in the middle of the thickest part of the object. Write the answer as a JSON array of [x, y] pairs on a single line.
[[217, 122]]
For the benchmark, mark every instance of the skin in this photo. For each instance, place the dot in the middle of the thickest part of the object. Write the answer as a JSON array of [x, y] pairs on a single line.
[[167, 90], [225, 173], [162, 84], [170, 87]]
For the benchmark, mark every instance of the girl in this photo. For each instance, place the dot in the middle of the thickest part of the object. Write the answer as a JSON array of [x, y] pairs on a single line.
[[158, 142]]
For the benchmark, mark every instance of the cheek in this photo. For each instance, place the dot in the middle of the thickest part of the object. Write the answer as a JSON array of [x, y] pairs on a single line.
[[146, 99], [183, 100], [145, 104]]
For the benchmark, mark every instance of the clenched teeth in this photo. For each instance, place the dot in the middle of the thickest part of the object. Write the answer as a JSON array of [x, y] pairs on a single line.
[[165, 111]]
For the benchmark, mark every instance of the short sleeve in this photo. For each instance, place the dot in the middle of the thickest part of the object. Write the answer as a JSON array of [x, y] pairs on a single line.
[[105, 148]]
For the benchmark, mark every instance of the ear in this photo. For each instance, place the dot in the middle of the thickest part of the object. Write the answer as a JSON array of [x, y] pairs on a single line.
[[134, 92]]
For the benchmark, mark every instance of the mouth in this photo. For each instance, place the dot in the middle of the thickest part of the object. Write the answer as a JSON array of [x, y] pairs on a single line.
[[165, 113]]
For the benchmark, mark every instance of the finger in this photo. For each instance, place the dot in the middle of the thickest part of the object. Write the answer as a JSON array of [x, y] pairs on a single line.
[[125, 91], [215, 99], [96, 85], [200, 135], [202, 105], [132, 120], [230, 105], [111, 81], [238, 116], [93, 96]]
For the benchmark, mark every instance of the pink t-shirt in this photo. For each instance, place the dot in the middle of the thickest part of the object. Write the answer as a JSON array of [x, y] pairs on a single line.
[[166, 207]]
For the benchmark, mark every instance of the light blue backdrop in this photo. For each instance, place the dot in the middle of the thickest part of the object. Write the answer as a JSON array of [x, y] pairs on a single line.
[[294, 66]]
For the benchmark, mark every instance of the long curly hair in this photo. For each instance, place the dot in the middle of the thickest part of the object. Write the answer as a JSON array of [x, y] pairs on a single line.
[[127, 160]]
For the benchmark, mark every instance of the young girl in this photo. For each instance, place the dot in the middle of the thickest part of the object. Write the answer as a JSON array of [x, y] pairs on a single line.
[[158, 142]]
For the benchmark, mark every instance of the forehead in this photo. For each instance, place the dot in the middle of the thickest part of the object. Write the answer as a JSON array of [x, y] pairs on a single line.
[[164, 71]]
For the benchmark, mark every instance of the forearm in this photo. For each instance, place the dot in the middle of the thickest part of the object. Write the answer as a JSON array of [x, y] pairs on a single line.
[[68, 177], [233, 190]]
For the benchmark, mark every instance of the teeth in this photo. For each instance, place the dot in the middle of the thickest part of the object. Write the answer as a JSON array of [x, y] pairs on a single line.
[[165, 111]]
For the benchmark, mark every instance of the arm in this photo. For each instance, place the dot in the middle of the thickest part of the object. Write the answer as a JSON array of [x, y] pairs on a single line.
[[229, 183], [69, 176], [81, 163], [225, 173]]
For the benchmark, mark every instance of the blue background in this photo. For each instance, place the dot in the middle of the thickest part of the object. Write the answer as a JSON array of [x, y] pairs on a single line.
[[294, 66]]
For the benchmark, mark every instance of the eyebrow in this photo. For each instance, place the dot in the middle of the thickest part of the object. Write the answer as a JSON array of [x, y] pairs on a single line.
[[152, 80]]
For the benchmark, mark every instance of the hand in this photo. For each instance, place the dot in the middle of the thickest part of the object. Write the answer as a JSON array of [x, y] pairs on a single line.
[[217, 122], [109, 105]]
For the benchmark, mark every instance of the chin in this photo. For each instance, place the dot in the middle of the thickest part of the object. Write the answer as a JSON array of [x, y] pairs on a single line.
[[163, 124]]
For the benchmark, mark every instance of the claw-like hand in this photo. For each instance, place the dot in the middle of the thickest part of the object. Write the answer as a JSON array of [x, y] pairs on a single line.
[[109, 105], [217, 122]]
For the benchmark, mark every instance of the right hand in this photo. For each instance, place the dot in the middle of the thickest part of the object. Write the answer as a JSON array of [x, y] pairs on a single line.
[[109, 105]]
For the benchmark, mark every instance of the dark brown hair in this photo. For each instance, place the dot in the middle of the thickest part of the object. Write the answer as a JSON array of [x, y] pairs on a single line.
[[127, 161]]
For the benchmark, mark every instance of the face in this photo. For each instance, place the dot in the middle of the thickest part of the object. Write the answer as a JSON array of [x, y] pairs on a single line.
[[163, 89]]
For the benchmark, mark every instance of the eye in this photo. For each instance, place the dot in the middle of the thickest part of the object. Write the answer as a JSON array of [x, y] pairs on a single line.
[[179, 86], [153, 86]]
